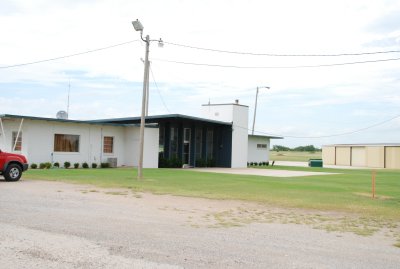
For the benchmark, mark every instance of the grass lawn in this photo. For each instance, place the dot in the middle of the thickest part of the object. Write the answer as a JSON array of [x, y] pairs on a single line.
[[295, 156], [348, 191]]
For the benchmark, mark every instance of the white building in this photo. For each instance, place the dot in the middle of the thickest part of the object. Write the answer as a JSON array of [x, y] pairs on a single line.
[[237, 115], [219, 139], [258, 148], [56, 140]]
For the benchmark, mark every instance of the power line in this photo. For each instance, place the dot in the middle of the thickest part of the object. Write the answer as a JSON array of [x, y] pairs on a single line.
[[234, 52], [277, 67], [282, 55], [67, 56], [158, 90], [326, 136]]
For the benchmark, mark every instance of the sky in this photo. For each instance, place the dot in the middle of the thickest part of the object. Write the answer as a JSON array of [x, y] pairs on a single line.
[[316, 100]]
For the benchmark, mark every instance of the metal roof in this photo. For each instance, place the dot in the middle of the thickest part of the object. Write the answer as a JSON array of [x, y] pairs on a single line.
[[157, 118], [266, 136], [229, 104], [366, 144], [10, 116]]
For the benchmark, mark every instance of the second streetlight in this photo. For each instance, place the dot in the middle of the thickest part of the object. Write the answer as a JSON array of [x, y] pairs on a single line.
[[255, 107]]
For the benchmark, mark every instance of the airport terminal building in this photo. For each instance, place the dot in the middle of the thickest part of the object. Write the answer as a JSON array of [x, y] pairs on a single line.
[[219, 138]]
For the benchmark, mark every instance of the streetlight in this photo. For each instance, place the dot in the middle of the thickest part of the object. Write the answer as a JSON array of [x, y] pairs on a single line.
[[255, 107], [139, 27]]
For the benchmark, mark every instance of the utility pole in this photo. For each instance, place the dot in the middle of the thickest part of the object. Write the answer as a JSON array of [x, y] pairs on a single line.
[[145, 95], [255, 108], [69, 91], [147, 89], [144, 107]]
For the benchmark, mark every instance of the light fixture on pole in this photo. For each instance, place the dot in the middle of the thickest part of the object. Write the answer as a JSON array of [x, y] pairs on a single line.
[[139, 27], [255, 107]]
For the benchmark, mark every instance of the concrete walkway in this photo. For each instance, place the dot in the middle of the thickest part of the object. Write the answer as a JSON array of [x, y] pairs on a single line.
[[260, 172]]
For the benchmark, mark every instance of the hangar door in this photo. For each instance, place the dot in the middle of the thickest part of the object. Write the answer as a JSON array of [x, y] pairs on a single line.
[[392, 157], [328, 155], [358, 156], [343, 156]]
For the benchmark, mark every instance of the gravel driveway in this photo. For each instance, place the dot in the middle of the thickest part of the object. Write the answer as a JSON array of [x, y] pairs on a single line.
[[58, 225]]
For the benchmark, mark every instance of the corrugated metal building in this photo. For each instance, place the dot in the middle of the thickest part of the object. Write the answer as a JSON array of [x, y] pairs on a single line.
[[363, 155]]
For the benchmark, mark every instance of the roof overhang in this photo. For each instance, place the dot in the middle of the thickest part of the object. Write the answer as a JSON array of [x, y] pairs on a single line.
[[265, 136], [365, 145], [10, 116], [161, 118]]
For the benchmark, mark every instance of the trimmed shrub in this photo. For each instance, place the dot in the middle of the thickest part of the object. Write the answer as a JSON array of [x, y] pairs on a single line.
[[56, 164], [85, 165], [201, 162], [76, 165], [47, 165], [210, 163], [42, 166], [67, 165], [104, 165], [175, 163], [33, 166], [94, 165], [163, 163]]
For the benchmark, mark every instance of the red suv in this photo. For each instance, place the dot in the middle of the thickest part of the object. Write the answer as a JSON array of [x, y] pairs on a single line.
[[12, 165]]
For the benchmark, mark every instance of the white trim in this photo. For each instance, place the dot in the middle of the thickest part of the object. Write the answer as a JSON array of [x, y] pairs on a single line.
[[19, 131], [3, 133]]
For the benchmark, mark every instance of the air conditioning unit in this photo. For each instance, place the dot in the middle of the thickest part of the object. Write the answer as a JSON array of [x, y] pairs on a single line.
[[112, 162]]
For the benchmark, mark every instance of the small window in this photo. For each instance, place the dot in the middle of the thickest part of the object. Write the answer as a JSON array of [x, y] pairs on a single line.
[[210, 143], [18, 145], [173, 142], [66, 143], [108, 145], [186, 135], [261, 146], [198, 141], [161, 141]]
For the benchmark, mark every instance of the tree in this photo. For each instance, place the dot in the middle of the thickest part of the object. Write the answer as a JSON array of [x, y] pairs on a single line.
[[280, 148]]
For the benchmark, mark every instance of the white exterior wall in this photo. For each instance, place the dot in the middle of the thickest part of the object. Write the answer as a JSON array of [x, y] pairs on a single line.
[[240, 136], [38, 142], [238, 115], [132, 140], [258, 154], [6, 137]]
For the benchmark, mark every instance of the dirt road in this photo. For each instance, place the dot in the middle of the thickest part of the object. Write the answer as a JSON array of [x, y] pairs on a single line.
[[58, 225]]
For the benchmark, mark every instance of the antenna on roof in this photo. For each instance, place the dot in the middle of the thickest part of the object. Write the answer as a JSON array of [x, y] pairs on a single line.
[[69, 90]]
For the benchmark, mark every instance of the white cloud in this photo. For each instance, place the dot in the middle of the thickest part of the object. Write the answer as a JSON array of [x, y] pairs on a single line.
[[108, 83]]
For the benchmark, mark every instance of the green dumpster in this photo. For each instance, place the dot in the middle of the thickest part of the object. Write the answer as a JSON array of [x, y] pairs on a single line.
[[315, 163]]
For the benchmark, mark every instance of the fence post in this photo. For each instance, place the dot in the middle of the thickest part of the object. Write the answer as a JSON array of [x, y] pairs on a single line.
[[373, 183]]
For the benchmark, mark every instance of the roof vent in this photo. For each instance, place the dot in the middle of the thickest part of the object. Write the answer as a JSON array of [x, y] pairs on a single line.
[[237, 101], [62, 115]]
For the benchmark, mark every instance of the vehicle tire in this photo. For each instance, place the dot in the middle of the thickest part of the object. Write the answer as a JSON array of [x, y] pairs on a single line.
[[13, 172]]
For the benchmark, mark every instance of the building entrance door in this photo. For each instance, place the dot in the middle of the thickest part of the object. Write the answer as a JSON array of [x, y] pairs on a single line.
[[186, 145]]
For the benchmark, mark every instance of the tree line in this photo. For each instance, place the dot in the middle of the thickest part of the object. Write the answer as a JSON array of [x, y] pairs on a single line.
[[308, 148]]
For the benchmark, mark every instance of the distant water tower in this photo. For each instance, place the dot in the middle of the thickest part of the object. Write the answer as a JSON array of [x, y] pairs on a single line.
[[62, 115]]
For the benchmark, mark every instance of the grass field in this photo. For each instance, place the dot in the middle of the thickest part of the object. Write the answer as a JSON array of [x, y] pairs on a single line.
[[348, 191], [295, 156]]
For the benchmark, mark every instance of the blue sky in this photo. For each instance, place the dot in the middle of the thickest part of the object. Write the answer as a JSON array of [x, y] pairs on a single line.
[[302, 102]]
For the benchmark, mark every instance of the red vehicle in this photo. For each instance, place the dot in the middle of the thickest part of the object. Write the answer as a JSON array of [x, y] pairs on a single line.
[[12, 165]]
